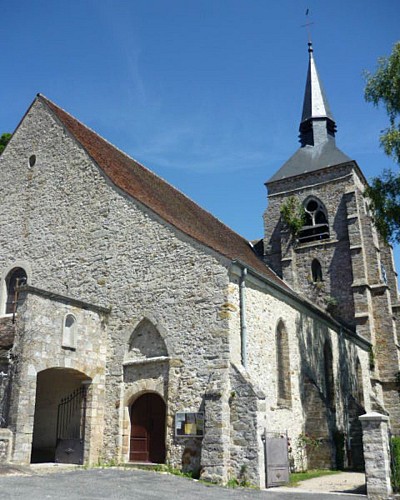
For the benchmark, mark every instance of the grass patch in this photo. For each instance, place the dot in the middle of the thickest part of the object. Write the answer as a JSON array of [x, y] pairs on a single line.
[[297, 477]]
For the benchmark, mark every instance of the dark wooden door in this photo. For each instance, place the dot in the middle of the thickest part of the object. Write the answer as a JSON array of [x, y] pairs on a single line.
[[148, 429]]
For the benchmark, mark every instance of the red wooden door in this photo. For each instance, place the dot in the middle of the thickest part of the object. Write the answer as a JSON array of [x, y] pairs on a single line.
[[148, 429]]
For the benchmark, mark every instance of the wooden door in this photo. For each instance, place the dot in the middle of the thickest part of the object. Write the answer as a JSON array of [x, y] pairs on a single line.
[[148, 429]]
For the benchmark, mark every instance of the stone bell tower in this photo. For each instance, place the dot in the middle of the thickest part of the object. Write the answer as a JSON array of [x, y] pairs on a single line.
[[337, 259]]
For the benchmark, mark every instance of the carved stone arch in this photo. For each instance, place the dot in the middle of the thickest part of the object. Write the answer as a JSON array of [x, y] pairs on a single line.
[[59, 363], [146, 341], [141, 387]]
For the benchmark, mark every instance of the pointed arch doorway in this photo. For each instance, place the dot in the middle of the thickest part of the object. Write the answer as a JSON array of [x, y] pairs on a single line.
[[147, 442]]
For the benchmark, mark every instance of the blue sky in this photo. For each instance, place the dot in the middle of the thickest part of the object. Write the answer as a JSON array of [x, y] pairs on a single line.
[[207, 93]]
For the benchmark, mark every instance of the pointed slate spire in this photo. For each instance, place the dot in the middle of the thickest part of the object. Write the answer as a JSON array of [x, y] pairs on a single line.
[[317, 123], [317, 132]]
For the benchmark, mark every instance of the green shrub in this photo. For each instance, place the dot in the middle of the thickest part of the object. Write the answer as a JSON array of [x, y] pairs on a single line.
[[395, 449], [293, 214]]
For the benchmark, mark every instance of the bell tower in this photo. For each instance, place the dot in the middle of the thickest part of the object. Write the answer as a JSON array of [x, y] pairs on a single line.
[[334, 256]]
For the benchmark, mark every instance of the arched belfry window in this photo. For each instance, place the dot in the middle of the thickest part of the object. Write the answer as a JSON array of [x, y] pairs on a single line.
[[283, 365], [316, 225], [15, 278], [316, 271]]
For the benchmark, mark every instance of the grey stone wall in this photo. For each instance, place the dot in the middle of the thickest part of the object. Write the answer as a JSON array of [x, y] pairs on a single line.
[[377, 455], [351, 261], [85, 239], [307, 334], [46, 371], [292, 260], [82, 238], [247, 422], [7, 334], [6, 440]]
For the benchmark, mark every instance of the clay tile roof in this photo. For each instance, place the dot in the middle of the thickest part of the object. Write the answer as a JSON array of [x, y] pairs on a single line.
[[162, 198]]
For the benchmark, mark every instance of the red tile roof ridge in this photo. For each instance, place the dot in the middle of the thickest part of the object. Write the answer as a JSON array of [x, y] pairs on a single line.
[[160, 197]]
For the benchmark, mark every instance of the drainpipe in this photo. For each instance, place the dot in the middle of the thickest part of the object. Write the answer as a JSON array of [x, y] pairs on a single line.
[[243, 329]]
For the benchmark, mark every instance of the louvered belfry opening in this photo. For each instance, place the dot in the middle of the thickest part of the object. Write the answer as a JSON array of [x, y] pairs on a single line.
[[316, 225]]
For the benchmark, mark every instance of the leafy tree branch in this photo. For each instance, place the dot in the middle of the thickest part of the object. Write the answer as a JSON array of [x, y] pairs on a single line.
[[383, 87], [4, 138]]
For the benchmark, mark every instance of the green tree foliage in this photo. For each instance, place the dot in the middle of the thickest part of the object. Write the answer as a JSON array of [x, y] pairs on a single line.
[[384, 193], [383, 87], [395, 450], [4, 138]]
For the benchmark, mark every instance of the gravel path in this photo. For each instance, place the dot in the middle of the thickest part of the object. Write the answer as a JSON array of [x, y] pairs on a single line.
[[344, 482]]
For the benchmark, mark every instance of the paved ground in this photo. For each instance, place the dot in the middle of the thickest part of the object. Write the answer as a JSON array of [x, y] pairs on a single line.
[[62, 483]]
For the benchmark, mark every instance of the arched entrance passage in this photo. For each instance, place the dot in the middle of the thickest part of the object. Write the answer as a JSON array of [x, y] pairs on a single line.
[[56, 388], [147, 443]]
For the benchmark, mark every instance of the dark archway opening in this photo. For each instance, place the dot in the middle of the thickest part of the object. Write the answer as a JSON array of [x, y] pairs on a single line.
[[54, 386], [147, 442]]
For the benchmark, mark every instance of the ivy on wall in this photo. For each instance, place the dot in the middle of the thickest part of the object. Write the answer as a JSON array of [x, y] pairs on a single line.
[[293, 215]]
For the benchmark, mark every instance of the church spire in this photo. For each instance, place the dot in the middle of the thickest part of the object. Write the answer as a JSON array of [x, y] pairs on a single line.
[[317, 123], [317, 132]]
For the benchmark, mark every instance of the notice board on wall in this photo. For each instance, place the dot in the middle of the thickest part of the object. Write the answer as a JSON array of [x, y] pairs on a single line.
[[189, 424]]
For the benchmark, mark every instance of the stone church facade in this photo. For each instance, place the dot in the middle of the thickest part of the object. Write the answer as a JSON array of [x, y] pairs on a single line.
[[177, 340]]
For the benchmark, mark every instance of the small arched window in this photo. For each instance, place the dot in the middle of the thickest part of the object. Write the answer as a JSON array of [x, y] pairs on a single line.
[[316, 225], [283, 365], [69, 331], [316, 271], [15, 278]]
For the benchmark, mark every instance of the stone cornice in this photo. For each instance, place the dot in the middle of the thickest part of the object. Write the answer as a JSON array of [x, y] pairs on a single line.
[[63, 298], [155, 360]]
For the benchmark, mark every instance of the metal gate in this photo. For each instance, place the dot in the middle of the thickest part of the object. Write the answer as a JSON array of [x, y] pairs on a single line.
[[71, 416], [5, 395], [276, 458]]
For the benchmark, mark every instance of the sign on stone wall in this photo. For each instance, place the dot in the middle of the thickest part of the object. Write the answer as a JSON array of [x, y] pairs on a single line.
[[189, 424]]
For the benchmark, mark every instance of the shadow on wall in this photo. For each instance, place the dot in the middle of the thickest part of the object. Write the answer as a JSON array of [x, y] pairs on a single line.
[[340, 268], [328, 404], [351, 386]]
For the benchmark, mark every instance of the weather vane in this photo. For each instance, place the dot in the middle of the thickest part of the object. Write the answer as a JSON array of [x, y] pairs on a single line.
[[307, 25]]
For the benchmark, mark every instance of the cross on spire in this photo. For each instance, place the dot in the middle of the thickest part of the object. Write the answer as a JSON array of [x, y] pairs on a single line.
[[307, 25]]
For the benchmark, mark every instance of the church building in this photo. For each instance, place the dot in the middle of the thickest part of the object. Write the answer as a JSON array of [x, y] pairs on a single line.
[[135, 327]]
